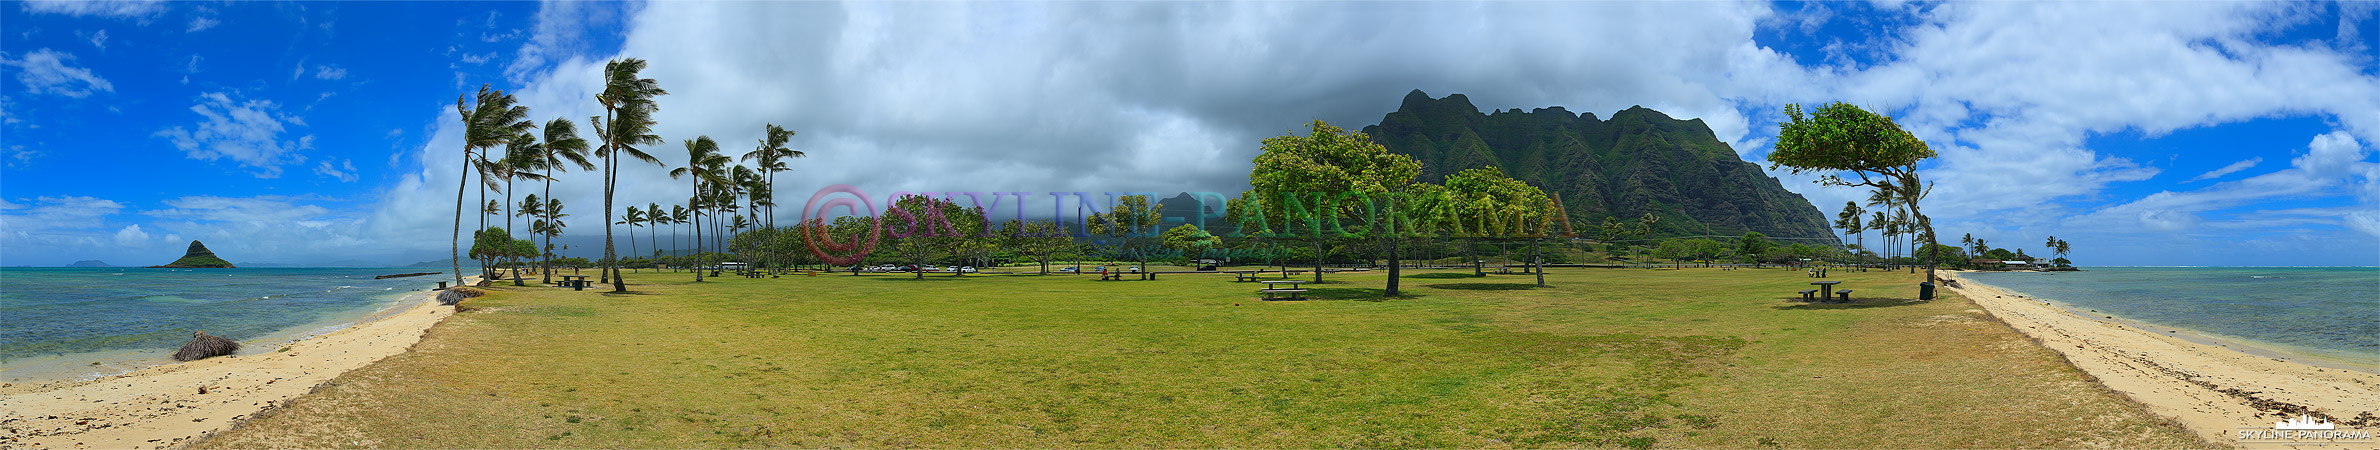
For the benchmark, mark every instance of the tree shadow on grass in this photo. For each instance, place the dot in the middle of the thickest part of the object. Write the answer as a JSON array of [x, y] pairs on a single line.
[[1358, 294], [1484, 286], [1856, 303], [927, 278], [1442, 275]]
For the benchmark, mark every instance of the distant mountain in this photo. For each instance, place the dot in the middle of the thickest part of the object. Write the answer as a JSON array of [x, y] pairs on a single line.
[[448, 262], [1639, 161], [198, 257], [90, 263]]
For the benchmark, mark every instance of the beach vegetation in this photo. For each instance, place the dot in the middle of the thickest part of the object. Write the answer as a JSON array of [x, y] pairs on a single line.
[[1838, 138]]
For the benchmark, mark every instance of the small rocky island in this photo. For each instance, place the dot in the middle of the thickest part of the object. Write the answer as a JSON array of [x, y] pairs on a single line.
[[197, 258]]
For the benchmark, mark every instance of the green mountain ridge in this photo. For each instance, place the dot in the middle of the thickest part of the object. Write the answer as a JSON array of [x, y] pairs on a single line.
[[1639, 161]]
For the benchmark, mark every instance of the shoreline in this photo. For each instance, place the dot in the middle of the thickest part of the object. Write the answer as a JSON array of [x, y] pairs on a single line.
[[88, 366], [2211, 385], [168, 405]]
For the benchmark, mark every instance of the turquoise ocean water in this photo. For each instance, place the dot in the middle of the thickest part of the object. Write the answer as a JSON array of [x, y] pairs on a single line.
[[2328, 312], [56, 322]]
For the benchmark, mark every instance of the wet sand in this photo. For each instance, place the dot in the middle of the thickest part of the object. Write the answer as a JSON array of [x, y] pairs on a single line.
[[173, 404], [2213, 387]]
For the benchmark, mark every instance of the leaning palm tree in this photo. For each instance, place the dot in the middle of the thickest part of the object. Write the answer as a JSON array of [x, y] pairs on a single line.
[[627, 121], [489, 119], [521, 160], [562, 149], [702, 162]]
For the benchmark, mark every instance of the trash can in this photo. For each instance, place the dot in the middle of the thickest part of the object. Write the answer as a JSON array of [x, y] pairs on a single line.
[[1925, 290]]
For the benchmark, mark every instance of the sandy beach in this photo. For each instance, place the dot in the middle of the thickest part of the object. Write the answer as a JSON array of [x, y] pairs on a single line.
[[2214, 388], [173, 404]]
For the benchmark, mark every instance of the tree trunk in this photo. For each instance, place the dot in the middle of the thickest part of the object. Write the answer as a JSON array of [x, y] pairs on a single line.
[[611, 179], [1317, 259], [516, 263], [697, 225], [463, 181], [1537, 261], [545, 268]]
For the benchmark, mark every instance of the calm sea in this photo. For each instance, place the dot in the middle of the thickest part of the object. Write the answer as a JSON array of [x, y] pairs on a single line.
[[2332, 312], [56, 322]]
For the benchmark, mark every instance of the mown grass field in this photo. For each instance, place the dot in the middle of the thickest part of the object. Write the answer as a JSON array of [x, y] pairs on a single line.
[[1603, 358]]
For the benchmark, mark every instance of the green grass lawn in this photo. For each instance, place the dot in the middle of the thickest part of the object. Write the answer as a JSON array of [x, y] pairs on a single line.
[[1603, 358]]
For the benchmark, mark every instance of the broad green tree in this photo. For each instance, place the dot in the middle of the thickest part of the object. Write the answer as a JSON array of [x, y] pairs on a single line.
[[1329, 175], [1838, 138]]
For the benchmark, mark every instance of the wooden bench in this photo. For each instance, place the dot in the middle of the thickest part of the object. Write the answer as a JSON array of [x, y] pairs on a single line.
[[1809, 295], [1294, 294], [1844, 294]]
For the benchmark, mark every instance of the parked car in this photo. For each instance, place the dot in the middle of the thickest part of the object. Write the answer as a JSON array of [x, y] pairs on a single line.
[[1068, 269], [966, 269]]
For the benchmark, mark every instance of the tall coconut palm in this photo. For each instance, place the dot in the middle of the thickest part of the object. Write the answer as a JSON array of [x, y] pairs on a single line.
[[521, 160], [655, 216], [702, 162], [489, 119], [633, 218], [678, 214], [627, 121], [533, 209], [562, 148], [770, 157]]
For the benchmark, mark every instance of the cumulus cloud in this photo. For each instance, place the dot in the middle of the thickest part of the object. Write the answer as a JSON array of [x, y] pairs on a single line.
[[131, 235], [2230, 169], [46, 71], [2333, 163], [247, 132]]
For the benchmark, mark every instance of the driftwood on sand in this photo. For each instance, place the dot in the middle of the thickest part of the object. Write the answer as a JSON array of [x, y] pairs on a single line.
[[203, 346], [456, 295]]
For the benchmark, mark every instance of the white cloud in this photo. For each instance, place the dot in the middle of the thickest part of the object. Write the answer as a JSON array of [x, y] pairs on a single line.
[[99, 39], [2332, 162], [131, 236], [101, 8], [51, 72], [328, 72], [48, 213], [248, 132], [325, 168], [2227, 170], [201, 23]]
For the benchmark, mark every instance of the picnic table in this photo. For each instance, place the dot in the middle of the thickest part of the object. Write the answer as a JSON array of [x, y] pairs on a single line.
[[1294, 292], [1244, 276], [1826, 289], [576, 282]]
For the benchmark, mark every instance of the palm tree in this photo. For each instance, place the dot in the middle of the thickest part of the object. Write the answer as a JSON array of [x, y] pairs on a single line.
[[628, 109], [490, 118], [655, 216], [549, 227], [678, 214], [632, 218], [562, 148], [1848, 220], [534, 209], [521, 161], [770, 156], [702, 162]]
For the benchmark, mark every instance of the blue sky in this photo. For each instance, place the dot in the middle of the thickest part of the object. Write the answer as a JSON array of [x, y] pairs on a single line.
[[2199, 133]]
